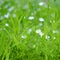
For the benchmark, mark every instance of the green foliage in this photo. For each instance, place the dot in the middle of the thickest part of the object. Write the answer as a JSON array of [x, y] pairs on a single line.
[[29, 30]]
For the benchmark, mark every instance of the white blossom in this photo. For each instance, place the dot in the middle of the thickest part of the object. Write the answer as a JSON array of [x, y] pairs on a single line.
[[47, 37], [11, 8], [7, 24], [31, 17], [29, 30], [6, 15], [41, 3], [23, 36], [41, 34], [41, 19], [38, 31]]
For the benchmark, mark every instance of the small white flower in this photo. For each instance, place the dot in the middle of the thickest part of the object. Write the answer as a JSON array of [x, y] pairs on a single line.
[[11, 8], [29, 30], [41, 3], [41, 19], [47, 37], [6, 15], [31, 17], [39, 32], [7, 24], [23, 36]]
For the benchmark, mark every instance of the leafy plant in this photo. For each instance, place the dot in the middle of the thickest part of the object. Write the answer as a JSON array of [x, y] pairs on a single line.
[[29, 30]]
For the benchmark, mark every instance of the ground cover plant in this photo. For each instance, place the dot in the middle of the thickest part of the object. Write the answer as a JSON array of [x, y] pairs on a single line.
[[29, 30]]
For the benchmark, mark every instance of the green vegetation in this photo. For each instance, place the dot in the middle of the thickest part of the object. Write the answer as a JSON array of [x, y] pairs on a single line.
[[29, 30]]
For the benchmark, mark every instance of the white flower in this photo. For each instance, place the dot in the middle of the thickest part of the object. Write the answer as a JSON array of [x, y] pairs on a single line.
[[41, 34], [29, 30], [6, 15], [23, 36], [7, 24], [11, 8], [41, 3], [47, 37], [41, 19], [38, 31], [31, 17]]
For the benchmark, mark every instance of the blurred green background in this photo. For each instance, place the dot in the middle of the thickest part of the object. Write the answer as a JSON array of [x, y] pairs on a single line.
[[29, 30]]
